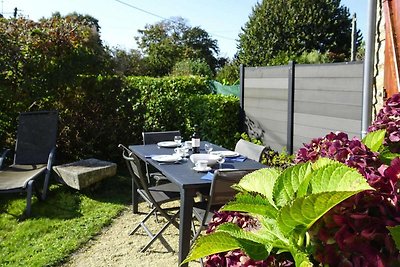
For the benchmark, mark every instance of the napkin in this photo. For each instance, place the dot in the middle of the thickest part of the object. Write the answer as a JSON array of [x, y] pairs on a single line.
[[208, 176], [236, 159]]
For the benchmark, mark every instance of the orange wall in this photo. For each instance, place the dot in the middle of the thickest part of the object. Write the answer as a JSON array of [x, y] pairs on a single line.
[[392, 24]]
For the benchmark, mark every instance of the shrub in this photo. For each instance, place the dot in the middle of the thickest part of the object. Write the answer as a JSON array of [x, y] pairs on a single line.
[[271, 157], [355, 231], [228, 74], [182, 102], [388, 118], [294, 216]]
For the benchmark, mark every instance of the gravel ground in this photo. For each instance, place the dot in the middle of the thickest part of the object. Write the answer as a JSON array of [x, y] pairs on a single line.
[[115, 247]]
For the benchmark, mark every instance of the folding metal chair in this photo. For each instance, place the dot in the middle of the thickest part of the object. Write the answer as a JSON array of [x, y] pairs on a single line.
[[221, 192], [250, 150], [34, 155], [154, 138], [155, 196]]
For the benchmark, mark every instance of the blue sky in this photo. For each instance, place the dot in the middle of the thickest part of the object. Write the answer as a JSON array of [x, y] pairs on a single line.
[[222, 19]]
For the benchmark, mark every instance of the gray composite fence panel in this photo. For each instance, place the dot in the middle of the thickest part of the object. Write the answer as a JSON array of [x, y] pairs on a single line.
[[265, 104], [328, 97]]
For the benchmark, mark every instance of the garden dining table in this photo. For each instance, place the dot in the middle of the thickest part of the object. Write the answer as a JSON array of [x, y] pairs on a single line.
[[189, 181]]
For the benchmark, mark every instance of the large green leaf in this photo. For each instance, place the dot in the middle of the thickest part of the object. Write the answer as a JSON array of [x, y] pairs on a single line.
[[337, 177], [374, 140], [322, 162], [386, 156], [211, 244], [288, 183], [304, 187], [300, 257], [254, 244], [395, 233], [270, 231], [249, 203], [299, 216], [261, 181]]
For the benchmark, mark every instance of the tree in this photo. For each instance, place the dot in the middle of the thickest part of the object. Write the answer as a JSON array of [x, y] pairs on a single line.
[[192, 67], [129, 63], [172, 40], [41, 61], [289, 28]]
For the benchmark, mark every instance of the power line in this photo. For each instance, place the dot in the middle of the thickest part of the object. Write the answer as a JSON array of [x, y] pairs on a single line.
[[161, 17], [145, 11]]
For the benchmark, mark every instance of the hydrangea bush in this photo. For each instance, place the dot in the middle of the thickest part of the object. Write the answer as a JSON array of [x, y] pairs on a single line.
[[360, 230], [237, 258], [354, 233], [388, 119]]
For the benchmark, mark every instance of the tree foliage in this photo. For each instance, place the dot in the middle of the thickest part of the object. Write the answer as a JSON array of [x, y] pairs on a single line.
[[287, 29], [38, 58], [188, 67], [129, 63], [172, 40]]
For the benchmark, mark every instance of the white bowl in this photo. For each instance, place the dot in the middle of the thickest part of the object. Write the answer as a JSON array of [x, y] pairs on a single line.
[[211, 159]]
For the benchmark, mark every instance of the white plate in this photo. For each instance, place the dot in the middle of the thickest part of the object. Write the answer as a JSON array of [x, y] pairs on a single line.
[[202, 170], [166, 158], [167, 144], [225, 153]]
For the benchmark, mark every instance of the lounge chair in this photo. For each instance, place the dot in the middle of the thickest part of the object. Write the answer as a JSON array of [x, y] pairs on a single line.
[[34, 155]]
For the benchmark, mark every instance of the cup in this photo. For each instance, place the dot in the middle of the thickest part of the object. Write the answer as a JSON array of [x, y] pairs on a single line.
[[181, 151], [201, 164], [188, 144]]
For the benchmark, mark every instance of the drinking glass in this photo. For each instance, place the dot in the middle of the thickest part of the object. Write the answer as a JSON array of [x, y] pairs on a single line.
[[178, 140], [208, 148], [221, 160]]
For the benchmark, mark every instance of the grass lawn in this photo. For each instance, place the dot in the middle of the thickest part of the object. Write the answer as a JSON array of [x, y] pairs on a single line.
[[60, 224]]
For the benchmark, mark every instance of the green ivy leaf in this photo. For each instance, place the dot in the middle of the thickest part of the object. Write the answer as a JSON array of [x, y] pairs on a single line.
[[254, 204], [288, 183], [211, 244], [374, 140], [395, 233]]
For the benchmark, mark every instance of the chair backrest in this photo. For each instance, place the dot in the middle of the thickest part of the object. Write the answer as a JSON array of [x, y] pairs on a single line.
[[250, 150], [36, 137], [221, 190], [155, 137], [134, 167]]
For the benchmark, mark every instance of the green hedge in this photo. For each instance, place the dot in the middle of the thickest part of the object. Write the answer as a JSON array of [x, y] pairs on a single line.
[[98, 112], [182, 102]]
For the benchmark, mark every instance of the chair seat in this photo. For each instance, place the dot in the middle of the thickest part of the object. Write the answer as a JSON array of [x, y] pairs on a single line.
[[17, 176], [161, 193], [159, 177], [200, 209]]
